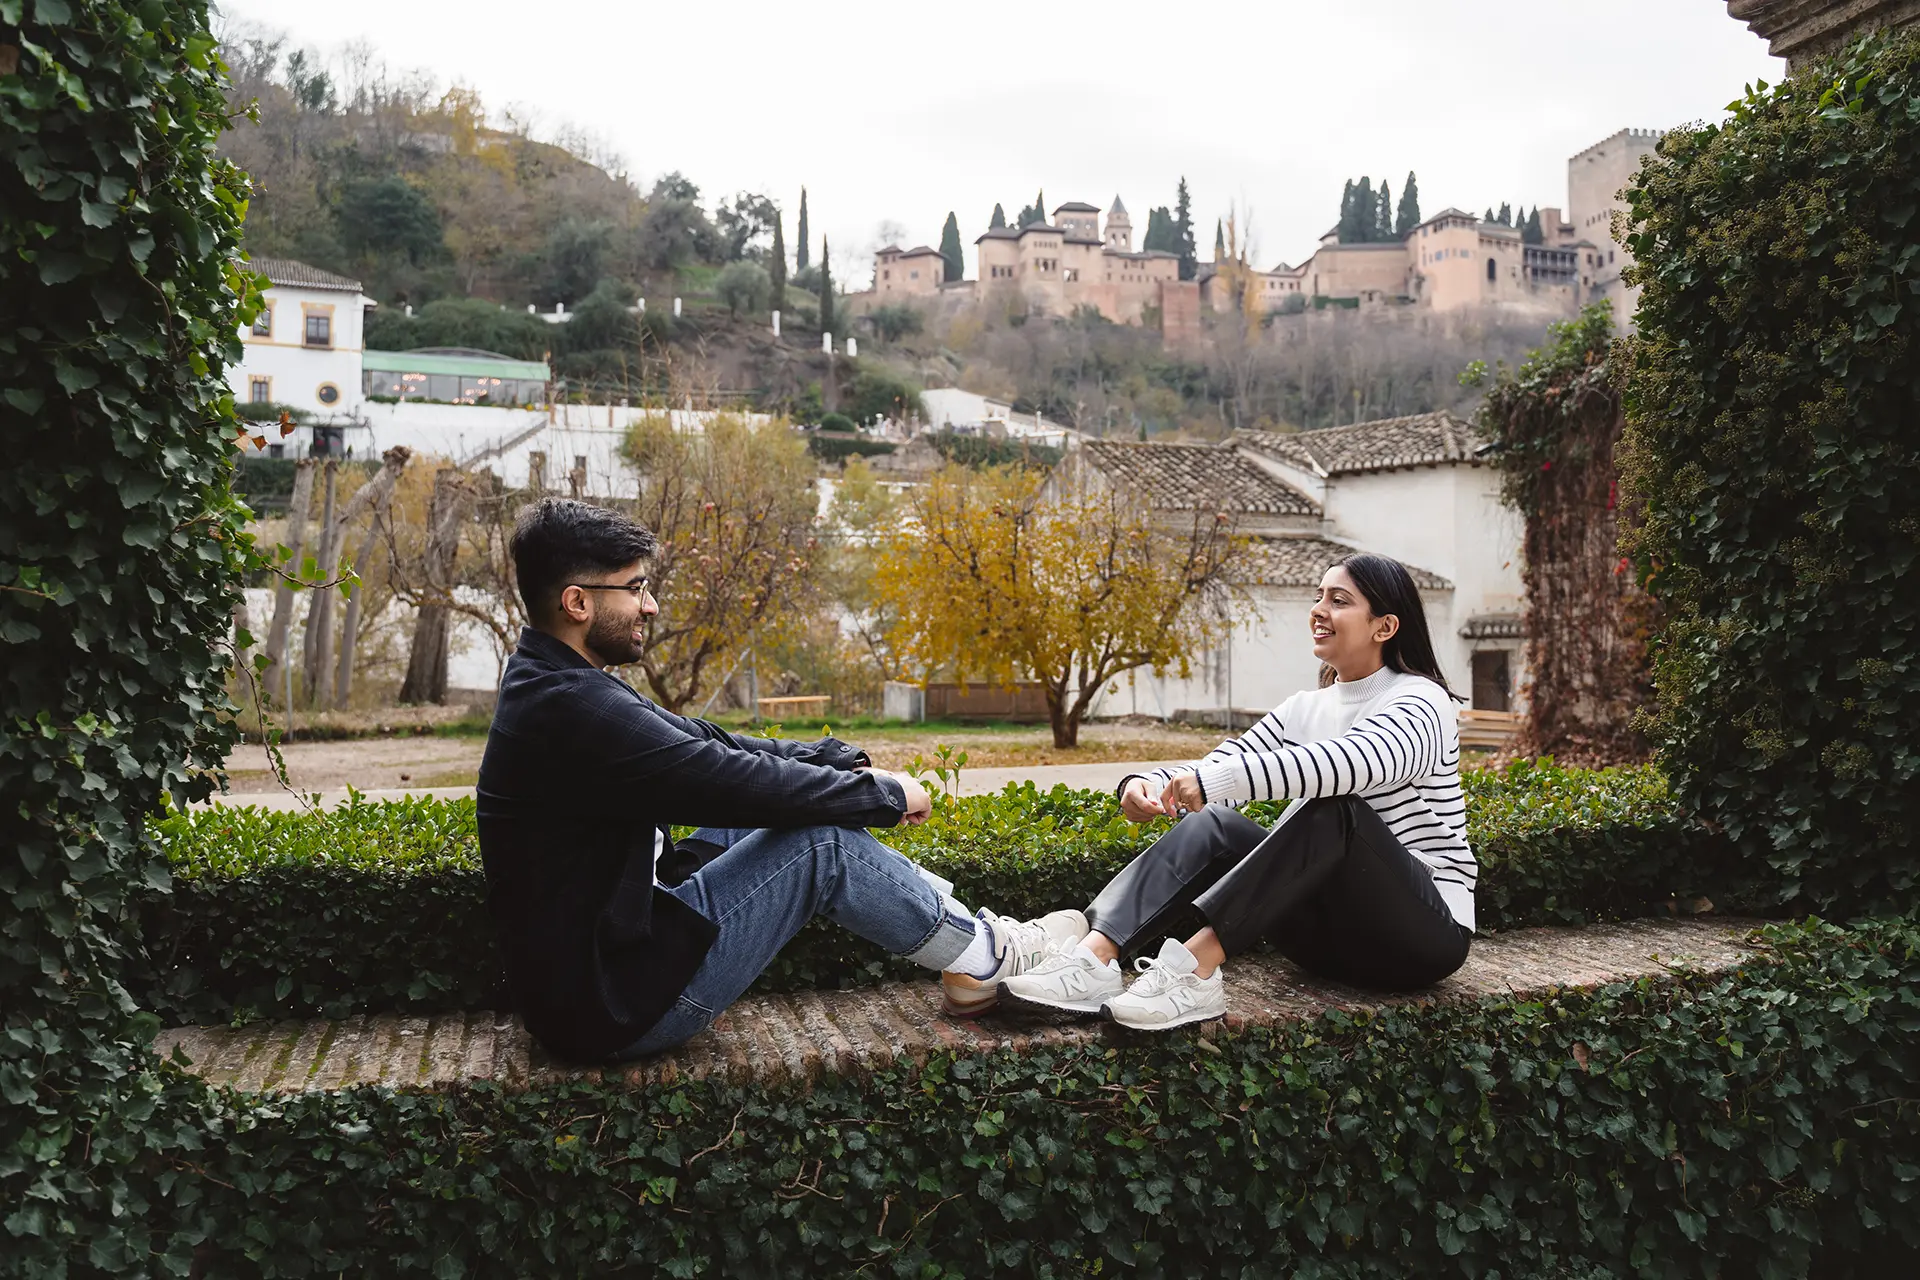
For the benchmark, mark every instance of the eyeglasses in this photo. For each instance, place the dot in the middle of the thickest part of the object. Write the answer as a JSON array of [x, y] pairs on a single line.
[[634, 589]]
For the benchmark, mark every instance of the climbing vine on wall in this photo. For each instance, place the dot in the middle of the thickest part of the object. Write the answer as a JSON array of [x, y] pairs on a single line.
[[1553, 424], [121, 550]]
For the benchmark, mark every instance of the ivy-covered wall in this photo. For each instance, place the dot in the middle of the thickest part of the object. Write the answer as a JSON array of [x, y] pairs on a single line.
[[120, 551], [1774, 437]]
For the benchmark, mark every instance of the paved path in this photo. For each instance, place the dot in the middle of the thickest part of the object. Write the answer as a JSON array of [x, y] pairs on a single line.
[[973, 782], [766, 1039]]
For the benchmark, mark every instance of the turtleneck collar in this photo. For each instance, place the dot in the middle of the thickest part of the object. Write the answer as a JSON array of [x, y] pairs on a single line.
[[1361, 690]]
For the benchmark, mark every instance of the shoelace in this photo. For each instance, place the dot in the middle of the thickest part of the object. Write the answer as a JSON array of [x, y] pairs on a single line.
[[1154, 977]]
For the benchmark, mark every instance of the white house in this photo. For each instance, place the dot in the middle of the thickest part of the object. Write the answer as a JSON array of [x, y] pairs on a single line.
[[304, 349], [1411, 488]]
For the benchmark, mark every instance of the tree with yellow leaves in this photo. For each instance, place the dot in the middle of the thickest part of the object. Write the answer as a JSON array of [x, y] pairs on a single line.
[[1010, 573]]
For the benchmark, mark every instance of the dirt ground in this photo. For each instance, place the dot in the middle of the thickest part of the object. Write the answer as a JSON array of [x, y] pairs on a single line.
[[395, 762]]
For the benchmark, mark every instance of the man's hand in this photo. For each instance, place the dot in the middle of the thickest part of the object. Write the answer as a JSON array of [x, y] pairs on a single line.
[[1183, 795], [1137, 805], [919, 803]]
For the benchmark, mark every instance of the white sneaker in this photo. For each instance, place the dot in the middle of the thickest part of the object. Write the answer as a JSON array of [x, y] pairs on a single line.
[[1019, 946], [1168, 993], [1069, 979]]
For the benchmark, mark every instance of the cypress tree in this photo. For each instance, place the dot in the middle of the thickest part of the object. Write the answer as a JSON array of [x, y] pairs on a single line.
[[1383, 214], [1348, 231], [1533, 232], [999, 220], [950, 249], [1183, 232], [1159, 231], [800, 248], [1409, 215], [1506, 214], [1489, 217], [826, 290], [777, 266], [1219, 242], [1365, 210]]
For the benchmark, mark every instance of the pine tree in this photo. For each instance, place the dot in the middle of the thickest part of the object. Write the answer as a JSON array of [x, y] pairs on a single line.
[[1383, 215], [800, 246], [826, 289], [999, 220], [950, 249], [1409, 215], [1183, 232], [777, 263]]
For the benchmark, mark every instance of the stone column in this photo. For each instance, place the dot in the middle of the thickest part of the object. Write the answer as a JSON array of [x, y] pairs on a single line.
[[1799, 30]]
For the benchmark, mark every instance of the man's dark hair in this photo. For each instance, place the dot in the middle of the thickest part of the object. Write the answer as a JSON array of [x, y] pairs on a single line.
[[561, 540]]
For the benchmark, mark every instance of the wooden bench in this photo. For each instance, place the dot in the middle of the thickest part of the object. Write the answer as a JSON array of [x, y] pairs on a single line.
[[802, 708], [1488, 730], [769, 1039]]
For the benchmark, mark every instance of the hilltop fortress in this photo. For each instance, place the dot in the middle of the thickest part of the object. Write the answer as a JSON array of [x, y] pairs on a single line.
[[1452, 261]]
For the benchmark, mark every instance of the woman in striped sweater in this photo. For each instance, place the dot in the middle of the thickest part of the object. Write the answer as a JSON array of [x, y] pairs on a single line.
[[1366, 879]]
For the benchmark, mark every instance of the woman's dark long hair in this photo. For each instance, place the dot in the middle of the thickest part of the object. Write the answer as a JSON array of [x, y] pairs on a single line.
[[1389, 589]]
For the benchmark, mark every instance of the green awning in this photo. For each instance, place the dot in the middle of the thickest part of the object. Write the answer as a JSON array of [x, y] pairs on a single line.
[[458, 366]]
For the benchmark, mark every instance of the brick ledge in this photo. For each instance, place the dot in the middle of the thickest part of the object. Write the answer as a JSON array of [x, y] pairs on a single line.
[[775, 1039]]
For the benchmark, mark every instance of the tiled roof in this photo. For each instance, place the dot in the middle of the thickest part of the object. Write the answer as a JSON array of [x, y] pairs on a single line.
[[1195, 477], [1118, 208], [1302, 561], [1494, 626], [1423, 439], [921, 251], [1084, 240], [1032, 227], [285, 271], [1076, 206], [997, 233]]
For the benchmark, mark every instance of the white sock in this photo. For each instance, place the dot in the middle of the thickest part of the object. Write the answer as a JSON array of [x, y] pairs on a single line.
[[978, 960], [1087, 951]]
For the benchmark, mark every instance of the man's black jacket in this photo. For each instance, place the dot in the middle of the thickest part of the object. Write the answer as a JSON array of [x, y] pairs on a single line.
[[579, 772]]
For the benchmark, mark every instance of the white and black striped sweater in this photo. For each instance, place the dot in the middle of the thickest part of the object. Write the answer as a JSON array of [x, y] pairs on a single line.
[[1392, 739]]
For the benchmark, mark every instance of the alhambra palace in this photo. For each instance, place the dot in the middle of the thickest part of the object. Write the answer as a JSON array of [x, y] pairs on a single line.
[[1451, 261]]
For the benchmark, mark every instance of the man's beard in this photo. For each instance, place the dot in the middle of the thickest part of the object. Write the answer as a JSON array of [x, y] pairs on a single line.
[[611, 640]]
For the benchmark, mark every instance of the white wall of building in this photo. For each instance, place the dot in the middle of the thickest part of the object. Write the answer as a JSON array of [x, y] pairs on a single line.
[[296, 372]]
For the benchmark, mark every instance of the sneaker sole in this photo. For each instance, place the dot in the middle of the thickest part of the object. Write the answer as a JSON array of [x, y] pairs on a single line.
[[1106, 1011], [1015, 1000]]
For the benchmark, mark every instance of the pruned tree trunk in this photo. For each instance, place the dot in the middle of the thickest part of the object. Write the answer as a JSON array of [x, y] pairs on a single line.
[[427, 662], [377, 494], [318, 650], [296, 539]]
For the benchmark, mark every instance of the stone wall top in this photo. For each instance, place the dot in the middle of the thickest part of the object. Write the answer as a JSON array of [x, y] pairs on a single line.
[[1801, 29]]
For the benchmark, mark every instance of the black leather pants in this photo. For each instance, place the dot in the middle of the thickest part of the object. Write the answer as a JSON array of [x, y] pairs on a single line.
[[1329, 886]]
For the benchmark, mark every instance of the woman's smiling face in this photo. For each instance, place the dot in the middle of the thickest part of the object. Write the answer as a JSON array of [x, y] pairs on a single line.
[[1346, 634]]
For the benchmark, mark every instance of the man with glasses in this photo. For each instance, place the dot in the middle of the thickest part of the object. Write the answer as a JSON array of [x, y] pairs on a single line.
[[619, 942]]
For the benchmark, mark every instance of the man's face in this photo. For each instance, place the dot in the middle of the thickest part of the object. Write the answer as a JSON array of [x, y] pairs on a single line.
[[618, 607]]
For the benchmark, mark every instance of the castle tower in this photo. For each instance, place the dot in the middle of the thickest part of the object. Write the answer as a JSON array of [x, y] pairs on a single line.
[[1119, 228]]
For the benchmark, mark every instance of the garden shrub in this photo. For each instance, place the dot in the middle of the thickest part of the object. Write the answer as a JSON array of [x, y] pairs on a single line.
[[121, 552], [1753, 1123], [1774, 439], [382, 906]]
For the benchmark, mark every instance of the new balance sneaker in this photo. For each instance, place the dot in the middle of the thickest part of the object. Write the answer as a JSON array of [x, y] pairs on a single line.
[[1168, 993], [1069, 980], [1018, 947]]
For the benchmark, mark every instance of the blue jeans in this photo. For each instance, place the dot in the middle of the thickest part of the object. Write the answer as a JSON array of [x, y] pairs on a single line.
[[767, 884]]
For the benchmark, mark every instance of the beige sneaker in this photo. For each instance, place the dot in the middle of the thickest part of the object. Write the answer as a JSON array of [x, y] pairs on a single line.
[[1018, 945]]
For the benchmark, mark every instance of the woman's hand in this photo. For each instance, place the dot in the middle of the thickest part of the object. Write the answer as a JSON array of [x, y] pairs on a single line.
[[1182, 795], [1136, 804]]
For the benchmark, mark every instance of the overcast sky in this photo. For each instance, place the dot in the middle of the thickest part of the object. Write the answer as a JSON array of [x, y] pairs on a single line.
[[897, 113]]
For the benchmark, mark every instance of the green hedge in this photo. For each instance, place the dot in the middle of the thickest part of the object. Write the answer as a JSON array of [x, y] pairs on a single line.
[[382, 906], [1759, 1123], [1772, 411]]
